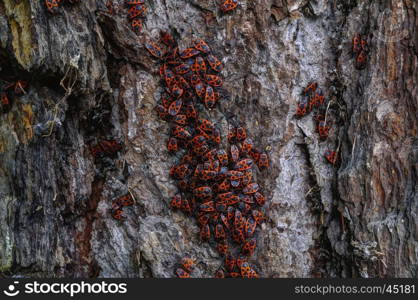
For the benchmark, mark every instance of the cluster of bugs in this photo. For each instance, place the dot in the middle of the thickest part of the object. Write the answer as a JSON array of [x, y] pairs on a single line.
[[118, 204], [228, 5], [360, 51], [53, 5], [10, 89], [137, 10], [313, 99], [185, 267], [216, 185], [188, 76], [237, 267]]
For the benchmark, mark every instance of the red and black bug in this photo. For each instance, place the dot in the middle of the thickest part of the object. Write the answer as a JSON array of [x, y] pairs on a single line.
[[331, 157], [224, 221], [224, 186], [310, 89], [230, 213], [248, 175], [176, 91], [198, 140], [356, 44], [222, 157], [222, 247], [154, 50], [191, 111], [125, 200], [245, 270], [209, 157], [303, 106], [247, 145], [317, 99], [137, 10], [235, 175], [181, 69], [201, 45], [216, 136], [259, 198], [234, 199], [225, 196], [207, 207], [117, 214], [166, 38], [230, 262], [239, 220], [250, 227], [136, 25], [200, 90], [52, 5], [205, 233], [238, 235], [181, 132], [189, 52], [182, 273], [263, 161], [203, 219], [251, 188], [175, 202], [180, 119], [203, 192], [234, 274], [244, 165], [229, 5], [360, 50], [214, 63], [181, 171], [323, 129], [232, 134], [161, 111], [199, 66], [187, 264], [258, 216], [186, 206], [213, 80], [206, 125], [249, 247], [195, 79], [241, 134], [175, 107], [255, 154], [220, 232], [361, 60], [169, 76], [210, 99], [234, 153]]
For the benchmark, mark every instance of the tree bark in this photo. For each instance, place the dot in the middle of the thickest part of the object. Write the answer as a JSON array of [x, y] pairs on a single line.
[[90, 78]]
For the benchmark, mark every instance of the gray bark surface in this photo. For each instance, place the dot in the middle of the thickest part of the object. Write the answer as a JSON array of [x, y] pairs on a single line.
[[90, 78]]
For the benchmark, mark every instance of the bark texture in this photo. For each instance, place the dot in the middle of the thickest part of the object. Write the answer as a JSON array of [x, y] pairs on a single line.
[[90, 78]]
